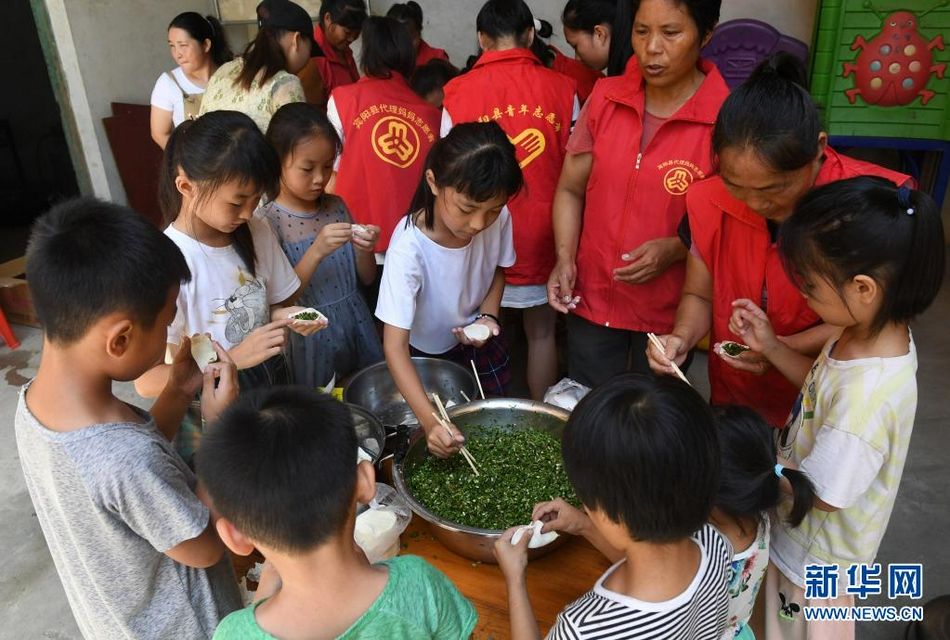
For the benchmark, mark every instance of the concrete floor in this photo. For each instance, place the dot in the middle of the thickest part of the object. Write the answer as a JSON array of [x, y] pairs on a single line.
[[33, 604]]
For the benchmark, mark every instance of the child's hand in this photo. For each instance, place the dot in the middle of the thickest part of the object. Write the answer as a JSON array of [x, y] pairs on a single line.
[[332, 237], [303, 327], [215, 398], [512, 559], [751, 324], [558, 515], [440, 443], [459, 332], [750, 361], [366, 239], [675, 350], [184, 374], [261, 344]]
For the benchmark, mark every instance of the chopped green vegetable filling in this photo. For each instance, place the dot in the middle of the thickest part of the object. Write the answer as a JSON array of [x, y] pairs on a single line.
[[518, 469], [307, 315], [733, 348]]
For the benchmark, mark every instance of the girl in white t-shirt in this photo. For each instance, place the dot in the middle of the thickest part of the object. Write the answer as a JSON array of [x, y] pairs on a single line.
[[216, 168], [198, 46], [445, 268], [869, 257]]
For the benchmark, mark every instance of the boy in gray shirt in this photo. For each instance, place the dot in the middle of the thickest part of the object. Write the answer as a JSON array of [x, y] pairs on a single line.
[[135, 548]]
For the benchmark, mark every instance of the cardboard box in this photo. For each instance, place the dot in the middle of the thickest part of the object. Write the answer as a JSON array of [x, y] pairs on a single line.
[[15, 299]]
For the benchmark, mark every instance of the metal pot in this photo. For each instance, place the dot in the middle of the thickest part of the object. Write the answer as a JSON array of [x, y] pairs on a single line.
[[374, 389], [497, 413], [370, 434]]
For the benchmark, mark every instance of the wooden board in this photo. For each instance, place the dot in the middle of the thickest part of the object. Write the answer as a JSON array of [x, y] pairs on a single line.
[[554, 581]]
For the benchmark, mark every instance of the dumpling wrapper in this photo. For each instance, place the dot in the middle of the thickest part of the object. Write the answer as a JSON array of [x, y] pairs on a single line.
[[202, 350], [734, 345], [358, 228], [477, 331], [538, 539], [293, 316]]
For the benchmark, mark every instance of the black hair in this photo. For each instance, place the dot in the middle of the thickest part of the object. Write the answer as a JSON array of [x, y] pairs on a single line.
[[280, 464], [433, 75], [584, 15], [505, 19], [626, 446], [748, 484], [773, 114], [477, 160], [408, 13], [297, 122], [262, 55], [867, 225], [215, 149], [203, 28], [704, 13], [621, 34], [349, 14], [386, 47], [538, 46], [88, 258]]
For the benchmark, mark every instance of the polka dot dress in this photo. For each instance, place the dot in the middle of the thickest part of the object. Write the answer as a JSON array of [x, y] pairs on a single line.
[[350, 342]]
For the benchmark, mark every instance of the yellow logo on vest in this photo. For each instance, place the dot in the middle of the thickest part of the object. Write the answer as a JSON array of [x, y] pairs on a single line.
[[395, 141], [677, 180], [529, 144]]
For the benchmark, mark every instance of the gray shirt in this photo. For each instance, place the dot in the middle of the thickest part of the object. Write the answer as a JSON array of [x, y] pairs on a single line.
[[112, 499]]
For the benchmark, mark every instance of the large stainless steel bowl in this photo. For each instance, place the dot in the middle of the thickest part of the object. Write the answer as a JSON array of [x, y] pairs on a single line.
[[370, 434], [374, 389], [494, 413]]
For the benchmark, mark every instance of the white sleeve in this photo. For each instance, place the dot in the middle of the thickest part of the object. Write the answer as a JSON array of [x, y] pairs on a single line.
[[162, 96], [446, 124], [842, 466], [333, 115], [272, 264], [402, 279], [575, 112], [506, 255]]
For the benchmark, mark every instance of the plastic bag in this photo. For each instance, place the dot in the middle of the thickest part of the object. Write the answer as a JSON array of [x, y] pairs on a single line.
[[566, 394], [378, 527]]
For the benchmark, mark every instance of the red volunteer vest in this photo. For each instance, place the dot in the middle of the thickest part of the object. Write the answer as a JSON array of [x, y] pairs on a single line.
[[534, 106], [584, 76], [635, 196], [733, 242], [427, 53], [388, 131], [335, 71]]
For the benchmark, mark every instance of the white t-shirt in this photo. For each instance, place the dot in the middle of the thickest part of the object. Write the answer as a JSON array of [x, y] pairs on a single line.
[[430, 289], [167, 96], [849, 432], [223, 299], [699, 613]]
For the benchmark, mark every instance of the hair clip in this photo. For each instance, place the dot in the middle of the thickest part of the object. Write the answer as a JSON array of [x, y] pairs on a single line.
[[779, 468], [903, 198]]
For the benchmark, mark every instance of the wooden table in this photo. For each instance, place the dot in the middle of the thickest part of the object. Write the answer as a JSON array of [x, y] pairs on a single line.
[[554, 581]]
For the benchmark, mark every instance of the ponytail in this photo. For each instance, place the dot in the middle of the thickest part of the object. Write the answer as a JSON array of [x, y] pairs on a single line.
[[750, 481], [263, 55], [542, 31], [621, 32], [218, 148]]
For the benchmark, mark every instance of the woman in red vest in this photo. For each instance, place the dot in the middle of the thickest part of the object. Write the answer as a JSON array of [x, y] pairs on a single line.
[[640, 141], [387, 130], [771, 151], [339, 26], [535, 107], [410, 14]]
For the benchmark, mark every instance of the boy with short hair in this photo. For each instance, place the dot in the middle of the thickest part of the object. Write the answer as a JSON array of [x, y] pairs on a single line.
[[643, 457], [133, 545], [280, 467]]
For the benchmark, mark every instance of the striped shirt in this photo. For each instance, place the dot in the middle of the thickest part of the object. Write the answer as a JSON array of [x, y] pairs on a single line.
[[849, 431], [699, 613]]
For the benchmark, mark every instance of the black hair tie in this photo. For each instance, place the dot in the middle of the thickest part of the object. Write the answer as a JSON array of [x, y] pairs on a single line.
[[903, 198]]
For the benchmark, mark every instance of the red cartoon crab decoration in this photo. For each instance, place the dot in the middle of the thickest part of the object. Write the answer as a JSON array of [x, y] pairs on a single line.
[[894, 67]]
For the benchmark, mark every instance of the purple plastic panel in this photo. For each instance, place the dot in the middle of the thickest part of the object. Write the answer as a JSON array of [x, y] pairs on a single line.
[[738, 46]]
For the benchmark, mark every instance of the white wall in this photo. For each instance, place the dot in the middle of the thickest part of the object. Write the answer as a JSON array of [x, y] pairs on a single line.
[[111, 51], [450, 24]]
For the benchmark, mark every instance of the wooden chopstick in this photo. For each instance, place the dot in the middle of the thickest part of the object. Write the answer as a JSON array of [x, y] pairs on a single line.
[[659, 345], [481, 391], [445, 417], [465, 453]]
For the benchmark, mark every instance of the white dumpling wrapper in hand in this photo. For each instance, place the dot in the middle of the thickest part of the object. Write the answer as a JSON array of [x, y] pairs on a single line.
[[477, 331], [538, 539], [358, 228], [294, 316], [202, 350]]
